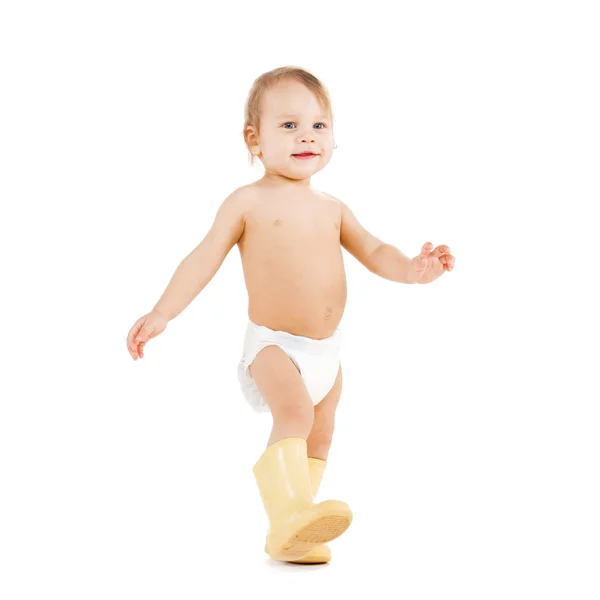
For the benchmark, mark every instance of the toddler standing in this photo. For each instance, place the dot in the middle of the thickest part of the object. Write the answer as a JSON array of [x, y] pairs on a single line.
[[290, 236]]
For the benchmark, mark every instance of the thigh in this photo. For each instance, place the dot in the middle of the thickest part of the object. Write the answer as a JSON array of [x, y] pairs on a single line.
[[281, 385]]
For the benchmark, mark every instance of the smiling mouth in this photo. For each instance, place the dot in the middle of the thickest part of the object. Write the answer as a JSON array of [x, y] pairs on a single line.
[[305, 155]]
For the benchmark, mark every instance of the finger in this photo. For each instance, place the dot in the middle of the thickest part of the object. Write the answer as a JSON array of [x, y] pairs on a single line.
[[131, 335], [143, 336], [134, 331], [440, 251], [426, 248], [139, 349], [448, 261], [131, 348]]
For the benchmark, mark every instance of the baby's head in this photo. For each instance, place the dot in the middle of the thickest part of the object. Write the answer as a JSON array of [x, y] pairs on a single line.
[[288, 111]]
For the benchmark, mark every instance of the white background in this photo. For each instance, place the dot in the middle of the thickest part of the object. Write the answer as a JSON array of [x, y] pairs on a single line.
[[466, 437]]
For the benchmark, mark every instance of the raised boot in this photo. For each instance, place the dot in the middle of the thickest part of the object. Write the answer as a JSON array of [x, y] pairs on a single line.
[[320, 554], [296, 525]]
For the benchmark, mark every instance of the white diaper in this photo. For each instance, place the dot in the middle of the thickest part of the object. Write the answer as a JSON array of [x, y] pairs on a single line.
[[317, 360]]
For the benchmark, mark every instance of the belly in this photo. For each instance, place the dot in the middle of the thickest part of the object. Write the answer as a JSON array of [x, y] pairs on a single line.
[[304, 297]]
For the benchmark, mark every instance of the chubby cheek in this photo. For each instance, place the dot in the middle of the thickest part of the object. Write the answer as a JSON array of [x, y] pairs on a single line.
[[327, 148], [327, 153], [273, 154]]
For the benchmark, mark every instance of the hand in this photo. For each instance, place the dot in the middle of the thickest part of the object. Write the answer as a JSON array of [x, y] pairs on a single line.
[[430, 264], [145, 328]]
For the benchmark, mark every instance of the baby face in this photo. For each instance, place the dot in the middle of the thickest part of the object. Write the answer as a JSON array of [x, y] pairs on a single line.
[[293, 122]]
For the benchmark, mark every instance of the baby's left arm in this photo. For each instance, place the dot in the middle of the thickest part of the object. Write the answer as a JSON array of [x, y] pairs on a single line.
[[380, 258], [386, 260], [356, 239]]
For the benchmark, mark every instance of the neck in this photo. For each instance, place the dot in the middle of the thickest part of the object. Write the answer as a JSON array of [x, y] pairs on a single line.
[[282, 181]]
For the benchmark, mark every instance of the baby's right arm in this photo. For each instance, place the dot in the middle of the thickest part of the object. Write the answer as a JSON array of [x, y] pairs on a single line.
[[197, 269]]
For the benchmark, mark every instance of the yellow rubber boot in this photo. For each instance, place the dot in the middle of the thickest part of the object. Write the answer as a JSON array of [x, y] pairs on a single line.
[[296, 525], [321, 554]]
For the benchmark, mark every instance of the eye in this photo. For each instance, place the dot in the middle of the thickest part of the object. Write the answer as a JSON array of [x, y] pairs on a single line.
[[291, 122]]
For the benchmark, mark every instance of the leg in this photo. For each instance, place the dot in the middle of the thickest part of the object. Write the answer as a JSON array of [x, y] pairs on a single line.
[[317, 447], [281, 385], [319, 440], [296, 524]]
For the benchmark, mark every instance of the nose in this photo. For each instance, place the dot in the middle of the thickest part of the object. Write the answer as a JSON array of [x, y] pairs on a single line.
[[307, 136]]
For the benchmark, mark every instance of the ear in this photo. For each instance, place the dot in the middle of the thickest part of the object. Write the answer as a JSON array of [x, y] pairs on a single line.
[[251, 136]]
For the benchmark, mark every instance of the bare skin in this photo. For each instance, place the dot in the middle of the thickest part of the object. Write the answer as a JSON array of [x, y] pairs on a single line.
[[290, 238], [294, 273], [292, 258], [292, 261]]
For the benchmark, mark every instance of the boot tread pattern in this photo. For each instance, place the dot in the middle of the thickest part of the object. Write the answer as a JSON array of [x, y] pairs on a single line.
[[323, 530]]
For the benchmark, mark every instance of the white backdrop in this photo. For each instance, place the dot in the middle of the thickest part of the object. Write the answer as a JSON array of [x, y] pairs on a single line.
[[466, 437]]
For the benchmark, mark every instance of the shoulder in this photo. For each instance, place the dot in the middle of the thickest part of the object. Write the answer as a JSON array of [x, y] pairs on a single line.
[[239, 201], [243, 194], [342, 206], [333, 199]]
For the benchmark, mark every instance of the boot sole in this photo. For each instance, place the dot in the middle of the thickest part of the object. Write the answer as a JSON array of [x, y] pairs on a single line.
[[320, 555], [318, 530]]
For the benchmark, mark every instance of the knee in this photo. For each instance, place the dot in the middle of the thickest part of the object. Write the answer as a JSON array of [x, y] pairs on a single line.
[[301, 416]]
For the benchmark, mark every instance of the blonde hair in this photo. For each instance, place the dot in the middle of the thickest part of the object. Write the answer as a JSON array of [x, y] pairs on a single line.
[[268, 80]]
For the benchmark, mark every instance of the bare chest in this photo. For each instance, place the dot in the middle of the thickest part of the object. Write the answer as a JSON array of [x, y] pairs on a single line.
[[303, 225]]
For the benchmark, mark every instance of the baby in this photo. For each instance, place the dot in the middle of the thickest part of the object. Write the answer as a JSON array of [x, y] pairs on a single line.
[[290, 237]]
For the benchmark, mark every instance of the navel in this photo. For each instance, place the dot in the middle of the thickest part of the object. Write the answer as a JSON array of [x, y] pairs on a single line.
[[328, 313], [278, 222]]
